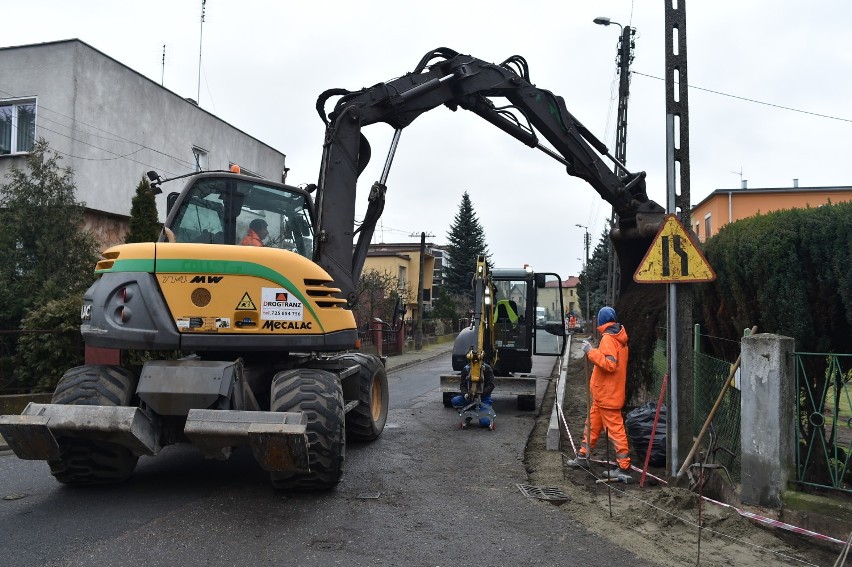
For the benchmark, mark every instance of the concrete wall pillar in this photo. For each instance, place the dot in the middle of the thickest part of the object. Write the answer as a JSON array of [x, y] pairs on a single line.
[[377, 328], [767, 428], [400, 337]]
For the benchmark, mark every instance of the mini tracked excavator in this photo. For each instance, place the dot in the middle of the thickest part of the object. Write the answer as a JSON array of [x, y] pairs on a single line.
[[509, 325], [266, 335], [476, 356]]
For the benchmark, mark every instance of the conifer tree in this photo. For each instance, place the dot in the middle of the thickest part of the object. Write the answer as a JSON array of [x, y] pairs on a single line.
[[144, 222], [466, 240]]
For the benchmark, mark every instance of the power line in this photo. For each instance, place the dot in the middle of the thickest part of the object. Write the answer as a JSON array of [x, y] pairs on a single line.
[[754, 101], [116, 136]]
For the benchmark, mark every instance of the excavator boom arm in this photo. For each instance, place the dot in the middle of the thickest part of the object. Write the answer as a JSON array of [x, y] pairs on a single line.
[[457, 81]]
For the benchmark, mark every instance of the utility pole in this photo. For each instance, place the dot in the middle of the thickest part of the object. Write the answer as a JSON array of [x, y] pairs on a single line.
[[586, 283], [418, 331], [681, 403], [623, 59]]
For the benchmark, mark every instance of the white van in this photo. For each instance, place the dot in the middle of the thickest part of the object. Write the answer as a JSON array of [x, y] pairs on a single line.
[[540, 315]]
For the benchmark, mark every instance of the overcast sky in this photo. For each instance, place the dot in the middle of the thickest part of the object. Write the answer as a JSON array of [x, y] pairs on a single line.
[[265, 63]]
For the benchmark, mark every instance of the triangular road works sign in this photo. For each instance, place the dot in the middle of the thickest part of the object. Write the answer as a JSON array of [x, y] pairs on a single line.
[[673, 257]]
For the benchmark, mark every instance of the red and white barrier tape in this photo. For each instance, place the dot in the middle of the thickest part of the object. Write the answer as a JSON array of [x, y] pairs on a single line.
[[750, 515], [777, 523]]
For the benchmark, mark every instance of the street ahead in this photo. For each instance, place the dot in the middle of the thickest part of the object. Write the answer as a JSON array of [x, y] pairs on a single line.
[[426, 493]]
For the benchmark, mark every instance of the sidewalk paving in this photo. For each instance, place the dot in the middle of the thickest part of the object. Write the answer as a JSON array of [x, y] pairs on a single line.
[[411, 356]]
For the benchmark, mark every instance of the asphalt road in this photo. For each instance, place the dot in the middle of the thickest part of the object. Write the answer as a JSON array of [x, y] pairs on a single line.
[[426, 493]]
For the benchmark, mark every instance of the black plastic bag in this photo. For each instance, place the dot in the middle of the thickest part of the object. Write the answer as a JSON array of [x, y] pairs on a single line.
[[639, 423]]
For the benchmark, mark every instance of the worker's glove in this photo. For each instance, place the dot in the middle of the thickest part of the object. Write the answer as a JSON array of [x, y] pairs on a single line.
[[587, 346]]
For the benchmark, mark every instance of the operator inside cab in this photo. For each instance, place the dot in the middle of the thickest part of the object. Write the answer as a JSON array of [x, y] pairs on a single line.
[[256, 233]]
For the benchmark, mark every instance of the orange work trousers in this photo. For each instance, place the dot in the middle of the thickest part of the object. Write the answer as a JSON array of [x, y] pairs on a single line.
[[611, 420]]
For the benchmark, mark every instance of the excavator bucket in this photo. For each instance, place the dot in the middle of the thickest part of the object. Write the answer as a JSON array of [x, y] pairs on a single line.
[[630, 253]]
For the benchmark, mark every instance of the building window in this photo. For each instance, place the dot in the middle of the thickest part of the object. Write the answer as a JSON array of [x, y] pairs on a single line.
[[707, 226], [17, 126], [199, 159], [400, 284]]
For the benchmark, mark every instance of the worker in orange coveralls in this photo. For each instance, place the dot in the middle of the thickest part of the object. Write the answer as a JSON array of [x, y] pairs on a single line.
[[256, 233], [607, 385]]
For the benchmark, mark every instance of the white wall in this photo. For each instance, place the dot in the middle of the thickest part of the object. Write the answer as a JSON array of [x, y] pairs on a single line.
[[112, 124]]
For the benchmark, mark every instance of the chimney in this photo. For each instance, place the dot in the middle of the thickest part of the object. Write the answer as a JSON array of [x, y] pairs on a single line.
[[795, 183], [744, 184]]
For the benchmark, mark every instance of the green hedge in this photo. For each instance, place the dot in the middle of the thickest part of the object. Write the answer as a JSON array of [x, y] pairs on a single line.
[[788, 272], [43, 357]]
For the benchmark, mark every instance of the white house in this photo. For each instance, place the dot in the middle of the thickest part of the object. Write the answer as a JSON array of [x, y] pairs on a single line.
[[112, 125]]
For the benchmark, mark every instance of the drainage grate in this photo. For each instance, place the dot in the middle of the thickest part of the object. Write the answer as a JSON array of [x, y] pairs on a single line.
[[550, 494]]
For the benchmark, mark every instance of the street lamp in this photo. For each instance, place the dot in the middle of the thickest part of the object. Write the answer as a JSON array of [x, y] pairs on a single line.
[[603, 21], [586, 243]]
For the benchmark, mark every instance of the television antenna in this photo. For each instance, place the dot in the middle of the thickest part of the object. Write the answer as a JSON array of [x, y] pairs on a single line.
[[740, 173], [200, 36]]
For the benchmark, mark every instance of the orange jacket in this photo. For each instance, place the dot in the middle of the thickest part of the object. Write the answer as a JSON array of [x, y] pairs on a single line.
[[252, 239], [609, 376]]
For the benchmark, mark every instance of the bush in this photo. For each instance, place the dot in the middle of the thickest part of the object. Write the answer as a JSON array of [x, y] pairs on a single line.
[[43, 358]]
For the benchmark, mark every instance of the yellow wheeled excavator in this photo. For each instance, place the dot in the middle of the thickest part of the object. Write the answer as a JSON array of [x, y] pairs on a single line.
[[266, 336]]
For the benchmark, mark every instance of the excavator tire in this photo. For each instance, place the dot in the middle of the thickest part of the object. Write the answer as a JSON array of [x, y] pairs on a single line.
[[318, 394], [85, 462], [366, 421]]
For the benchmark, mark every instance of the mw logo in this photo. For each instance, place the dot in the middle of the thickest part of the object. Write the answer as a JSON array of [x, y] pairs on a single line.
[[206, 279]]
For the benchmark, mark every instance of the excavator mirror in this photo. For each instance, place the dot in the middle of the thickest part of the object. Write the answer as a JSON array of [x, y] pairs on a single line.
[[540, 280], [170, 201]]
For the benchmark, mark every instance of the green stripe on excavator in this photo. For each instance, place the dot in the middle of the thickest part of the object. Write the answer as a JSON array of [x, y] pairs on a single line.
[[196, 266]]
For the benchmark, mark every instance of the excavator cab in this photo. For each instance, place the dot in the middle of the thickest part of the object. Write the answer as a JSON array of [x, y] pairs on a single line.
[[223, 208]]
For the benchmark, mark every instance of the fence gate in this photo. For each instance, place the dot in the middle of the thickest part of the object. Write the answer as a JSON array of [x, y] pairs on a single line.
[[824, 420]]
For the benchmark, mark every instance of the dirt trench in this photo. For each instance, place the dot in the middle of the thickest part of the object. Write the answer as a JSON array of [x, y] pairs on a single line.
[[657, 522]]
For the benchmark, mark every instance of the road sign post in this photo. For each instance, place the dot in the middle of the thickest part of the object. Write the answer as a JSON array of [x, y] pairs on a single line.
[[673, 258]]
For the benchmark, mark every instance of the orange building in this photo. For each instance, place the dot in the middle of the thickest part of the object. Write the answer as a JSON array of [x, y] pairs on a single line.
[[728, 205]]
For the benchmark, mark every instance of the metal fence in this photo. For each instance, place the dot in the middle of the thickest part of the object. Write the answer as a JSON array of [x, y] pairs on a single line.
[[722, 441], [824, 420], [823, 415]]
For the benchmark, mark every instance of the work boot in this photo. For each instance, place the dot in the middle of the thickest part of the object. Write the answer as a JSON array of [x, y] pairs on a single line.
[[581, 462], [619, 474]]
